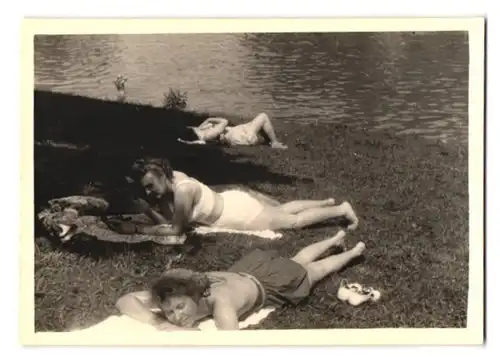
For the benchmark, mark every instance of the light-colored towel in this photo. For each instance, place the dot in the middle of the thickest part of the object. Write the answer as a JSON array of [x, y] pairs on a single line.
[[254, 319], [196, 142], [262, 234], [115, 324]]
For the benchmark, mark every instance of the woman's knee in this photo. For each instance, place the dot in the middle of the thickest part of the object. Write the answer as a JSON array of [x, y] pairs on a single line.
[[263, 116], [260, 120]]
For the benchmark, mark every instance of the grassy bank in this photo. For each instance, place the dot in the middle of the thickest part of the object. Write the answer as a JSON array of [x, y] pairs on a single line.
[[411, 197]]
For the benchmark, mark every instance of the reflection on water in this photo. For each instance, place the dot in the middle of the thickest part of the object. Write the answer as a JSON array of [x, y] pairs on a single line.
[[411, 83]]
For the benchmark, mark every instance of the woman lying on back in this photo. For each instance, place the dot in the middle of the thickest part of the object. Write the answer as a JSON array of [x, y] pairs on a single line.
[[217, 129]]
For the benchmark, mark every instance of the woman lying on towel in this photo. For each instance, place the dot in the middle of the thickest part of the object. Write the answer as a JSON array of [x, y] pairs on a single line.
[[184, 201], [181, 298], [248, 134]]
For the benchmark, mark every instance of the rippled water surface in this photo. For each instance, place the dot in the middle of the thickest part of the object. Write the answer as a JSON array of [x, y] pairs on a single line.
[[407, 82]]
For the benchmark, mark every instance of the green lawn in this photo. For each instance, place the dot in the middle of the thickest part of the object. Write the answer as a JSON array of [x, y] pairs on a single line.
[[411, 197]]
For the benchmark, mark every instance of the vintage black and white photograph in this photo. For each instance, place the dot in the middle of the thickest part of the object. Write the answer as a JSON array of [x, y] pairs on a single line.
[[253, 180]]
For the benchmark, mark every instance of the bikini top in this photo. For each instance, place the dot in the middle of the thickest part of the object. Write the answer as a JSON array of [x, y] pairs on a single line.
[[203, 209]]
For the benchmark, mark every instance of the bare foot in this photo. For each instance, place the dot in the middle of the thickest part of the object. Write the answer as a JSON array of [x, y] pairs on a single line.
[[351, 216], [338, 239], [359, 248], [278, 145]]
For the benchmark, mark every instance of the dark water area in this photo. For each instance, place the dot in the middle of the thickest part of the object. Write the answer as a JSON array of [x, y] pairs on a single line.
[[405, 82]]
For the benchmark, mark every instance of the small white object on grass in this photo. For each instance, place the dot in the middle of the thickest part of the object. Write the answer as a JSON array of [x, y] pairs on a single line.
[[355, 294]]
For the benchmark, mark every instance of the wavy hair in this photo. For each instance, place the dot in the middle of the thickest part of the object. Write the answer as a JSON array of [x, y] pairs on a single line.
[[181, 281], [155, 165]]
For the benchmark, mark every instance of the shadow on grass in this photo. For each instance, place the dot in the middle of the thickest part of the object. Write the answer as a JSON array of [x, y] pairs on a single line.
[[411, 197], [91, 247], [85, 146]]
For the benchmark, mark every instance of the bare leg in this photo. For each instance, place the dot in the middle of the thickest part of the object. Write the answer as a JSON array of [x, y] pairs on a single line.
[[298, 206], [313, 216], [262, 123], [264, 199], [312, 252], [318, 270]]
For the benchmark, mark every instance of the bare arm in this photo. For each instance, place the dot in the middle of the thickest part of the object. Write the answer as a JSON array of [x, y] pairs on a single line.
[[156, 217], [214, 121], [137, 305], [183, 201], [162, 227], [215, 130], [225, 314]]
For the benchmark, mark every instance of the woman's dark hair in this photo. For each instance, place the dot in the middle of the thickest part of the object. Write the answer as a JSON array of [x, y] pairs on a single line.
[[180, 281], [156, 165]]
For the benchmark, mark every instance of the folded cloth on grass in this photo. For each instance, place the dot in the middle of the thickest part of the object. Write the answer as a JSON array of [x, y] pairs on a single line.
[[69, 216], [120, 323]]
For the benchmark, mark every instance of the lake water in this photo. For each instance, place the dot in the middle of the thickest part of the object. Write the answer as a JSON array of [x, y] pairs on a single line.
[[407, 82]]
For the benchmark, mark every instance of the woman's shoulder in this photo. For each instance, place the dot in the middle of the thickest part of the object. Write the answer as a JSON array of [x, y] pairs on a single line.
[[183, 177], [186, 184], [179, 174]]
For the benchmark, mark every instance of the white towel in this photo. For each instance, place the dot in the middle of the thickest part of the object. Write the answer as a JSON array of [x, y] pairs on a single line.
[[262, 233], [253, 319], [116, 324]]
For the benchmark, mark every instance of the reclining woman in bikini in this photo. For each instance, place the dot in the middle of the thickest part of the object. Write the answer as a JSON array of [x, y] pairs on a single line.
[[249, 134], [182, 298], [183, 201]]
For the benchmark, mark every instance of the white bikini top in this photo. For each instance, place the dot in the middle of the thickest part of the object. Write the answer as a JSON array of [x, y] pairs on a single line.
[[203, 209]]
